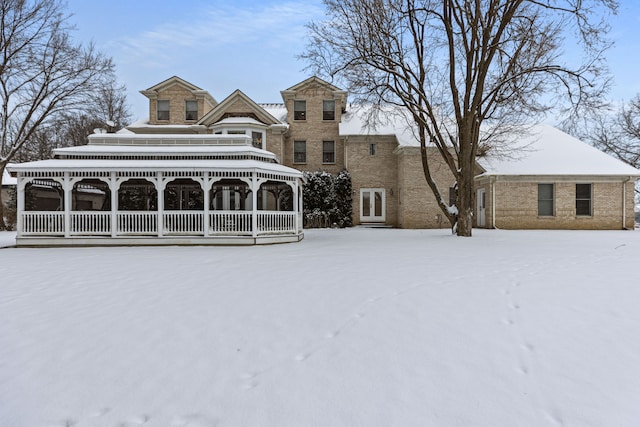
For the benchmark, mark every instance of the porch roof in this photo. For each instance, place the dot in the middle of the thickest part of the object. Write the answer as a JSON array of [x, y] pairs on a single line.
[[175, 150], [186, 165]]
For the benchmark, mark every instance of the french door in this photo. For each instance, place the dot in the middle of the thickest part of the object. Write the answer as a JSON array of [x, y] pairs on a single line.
[[372, 205]]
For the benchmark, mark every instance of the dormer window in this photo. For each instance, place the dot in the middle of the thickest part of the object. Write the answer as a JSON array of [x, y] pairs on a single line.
[[163, 110], [328, 110], [191, 110], [299, 110]]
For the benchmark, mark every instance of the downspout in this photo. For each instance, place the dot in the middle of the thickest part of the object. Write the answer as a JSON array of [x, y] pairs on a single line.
[[624, 203], [493, 201]]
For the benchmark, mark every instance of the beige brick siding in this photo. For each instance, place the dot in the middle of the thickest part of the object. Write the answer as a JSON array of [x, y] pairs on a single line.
[[314, 130], [517, 205], [177, 95], [377, 171], [417, 204]]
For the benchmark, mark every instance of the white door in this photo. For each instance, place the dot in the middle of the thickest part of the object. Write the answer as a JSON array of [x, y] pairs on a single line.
[[481, 202], [372, 205]]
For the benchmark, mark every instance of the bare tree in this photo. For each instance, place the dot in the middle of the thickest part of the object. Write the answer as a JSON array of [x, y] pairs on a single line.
[[614, 130], [454, 65], [42, 72]]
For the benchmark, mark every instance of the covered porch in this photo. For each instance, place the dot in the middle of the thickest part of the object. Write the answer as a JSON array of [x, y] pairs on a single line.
[[107, 203]]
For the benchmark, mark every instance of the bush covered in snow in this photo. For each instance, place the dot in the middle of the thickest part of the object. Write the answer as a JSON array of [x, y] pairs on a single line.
[[327, 199]]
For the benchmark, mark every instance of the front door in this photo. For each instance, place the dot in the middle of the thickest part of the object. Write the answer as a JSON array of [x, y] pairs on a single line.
[[480, 201], [372, 205]]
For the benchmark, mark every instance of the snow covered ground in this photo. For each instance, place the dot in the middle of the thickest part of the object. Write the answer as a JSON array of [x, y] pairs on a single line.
[[353, 327]]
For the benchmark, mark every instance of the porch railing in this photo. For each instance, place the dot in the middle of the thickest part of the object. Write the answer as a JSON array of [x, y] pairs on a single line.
[[90, 223], [182, 222], [137, 223], [145, 223], [43, 223], [276, 222], [236, 223]]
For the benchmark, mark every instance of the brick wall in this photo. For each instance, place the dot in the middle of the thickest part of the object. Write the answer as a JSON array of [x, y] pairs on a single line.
[[313, 129], [517, 205], [374, 171], [177, 95], [417, 204]]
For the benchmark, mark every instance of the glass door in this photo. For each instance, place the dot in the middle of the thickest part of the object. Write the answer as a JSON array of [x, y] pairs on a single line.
[[372, 205]]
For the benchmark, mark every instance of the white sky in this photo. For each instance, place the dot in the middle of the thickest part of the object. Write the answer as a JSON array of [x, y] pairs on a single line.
[[222, 46]]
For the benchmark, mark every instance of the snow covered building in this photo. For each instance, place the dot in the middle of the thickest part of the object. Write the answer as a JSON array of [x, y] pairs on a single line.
[[199, 171]]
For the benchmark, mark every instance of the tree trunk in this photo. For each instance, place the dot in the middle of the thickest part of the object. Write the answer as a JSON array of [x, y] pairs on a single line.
[[466, 178], [465, 204]]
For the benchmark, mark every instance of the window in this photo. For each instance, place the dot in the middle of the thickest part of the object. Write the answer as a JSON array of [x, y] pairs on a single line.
[[372, 149], [299, 110], [328, 110], [583, 199], [163, 110], [256, 139], [328, 151], [545, 199], [236, 132], [452, 196], [300, 152], [191, 110]]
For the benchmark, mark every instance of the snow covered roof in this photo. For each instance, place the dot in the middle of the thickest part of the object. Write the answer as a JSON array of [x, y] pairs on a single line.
[[7, 179], [279, 111], [151, 150], [546, 150], [239, 121], [391, 123], [64, 165]]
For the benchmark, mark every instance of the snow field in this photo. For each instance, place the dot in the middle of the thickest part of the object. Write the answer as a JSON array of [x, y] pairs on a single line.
[[355, 327]]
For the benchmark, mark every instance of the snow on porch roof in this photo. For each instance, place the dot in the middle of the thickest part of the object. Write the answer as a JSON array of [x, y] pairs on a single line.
[[7, 179], [545, 150], [63, 165]]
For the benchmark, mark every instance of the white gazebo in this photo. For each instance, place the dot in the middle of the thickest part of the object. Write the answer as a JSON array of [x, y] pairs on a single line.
[[132, 189]]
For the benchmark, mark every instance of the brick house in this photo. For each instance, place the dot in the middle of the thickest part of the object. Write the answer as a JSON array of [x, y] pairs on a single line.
[[314, 128], [239, 163]]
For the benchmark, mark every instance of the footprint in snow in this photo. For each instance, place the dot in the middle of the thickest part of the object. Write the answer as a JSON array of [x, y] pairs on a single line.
[[139, 420], [101, 412], [194, 420], [249, 380], [302, 357], [333, 334]]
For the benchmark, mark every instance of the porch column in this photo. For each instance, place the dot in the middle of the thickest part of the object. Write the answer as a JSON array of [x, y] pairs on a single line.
[[295, 204], [300, 207], [160, 194], [21, 184], [113, 186], [66, 183], [254, 204], [206, 197]]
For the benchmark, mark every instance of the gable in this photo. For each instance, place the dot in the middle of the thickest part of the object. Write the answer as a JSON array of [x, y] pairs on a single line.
[[315, 86], [237, 105], [175, 83]]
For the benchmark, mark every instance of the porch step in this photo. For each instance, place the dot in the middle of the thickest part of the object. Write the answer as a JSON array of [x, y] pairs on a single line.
[[373, 225]]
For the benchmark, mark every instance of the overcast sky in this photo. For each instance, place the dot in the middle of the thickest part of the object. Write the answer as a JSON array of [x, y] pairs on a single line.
[[223, 45]]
